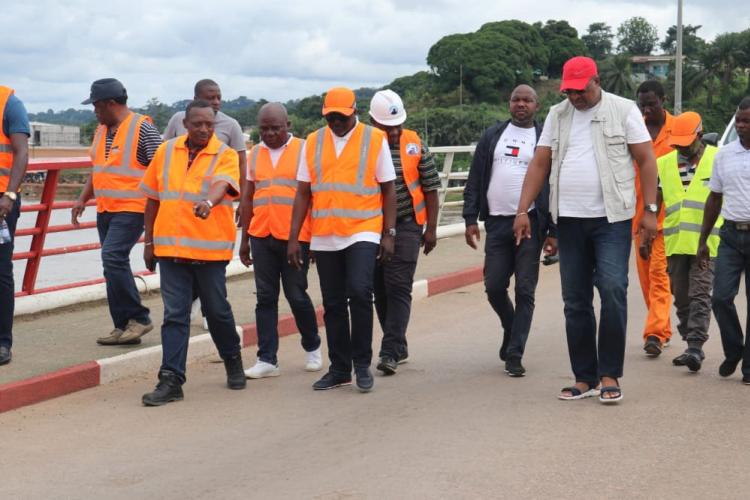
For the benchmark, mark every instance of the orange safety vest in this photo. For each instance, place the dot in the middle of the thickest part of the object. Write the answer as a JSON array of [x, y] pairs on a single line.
[[116, 178], [346, 197], [411, 155], [6, 151], [275, 189], [177, 231]]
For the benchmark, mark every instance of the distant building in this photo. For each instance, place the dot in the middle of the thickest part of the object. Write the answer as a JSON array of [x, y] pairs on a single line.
[[50, 135], [651, 67]]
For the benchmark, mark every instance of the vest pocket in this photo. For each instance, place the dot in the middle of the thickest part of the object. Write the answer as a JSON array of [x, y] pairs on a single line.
[[625, 181]]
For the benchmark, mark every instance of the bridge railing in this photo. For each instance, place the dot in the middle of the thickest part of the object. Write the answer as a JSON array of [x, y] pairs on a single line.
[[450, 195]]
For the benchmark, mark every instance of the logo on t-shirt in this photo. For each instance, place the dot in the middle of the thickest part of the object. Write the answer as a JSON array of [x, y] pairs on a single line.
[[512, 151], [412, 149]]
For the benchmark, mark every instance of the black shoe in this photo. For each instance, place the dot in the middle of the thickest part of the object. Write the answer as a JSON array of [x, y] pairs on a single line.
[[365, 380], [693, 359], [235, 373], [514, 368], [5, 355], [167, 390], [387, 365], [746, 379], [680, 360], [652, 346], [402, 358], [726, 368], [331, 381], [504, 346]]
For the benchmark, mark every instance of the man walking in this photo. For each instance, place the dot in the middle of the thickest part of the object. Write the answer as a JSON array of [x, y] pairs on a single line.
[[190, 229], [492, 192], [346, 177], [417, 183], [587, 148], [684, 175], [652, 266], [266, 216], [124, 143], [730, 195], [14, 155]]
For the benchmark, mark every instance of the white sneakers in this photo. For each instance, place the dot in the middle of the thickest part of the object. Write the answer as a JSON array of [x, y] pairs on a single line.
[[313, 360], [263, 370]]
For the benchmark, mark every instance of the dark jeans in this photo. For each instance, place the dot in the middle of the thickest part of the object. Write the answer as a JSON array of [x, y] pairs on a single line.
[[594, 253], [346, 280], [733, 258], [7, 286], [118, 234], [503, 258], [393, 285], [270, 265], [691, 289], [176, 291]]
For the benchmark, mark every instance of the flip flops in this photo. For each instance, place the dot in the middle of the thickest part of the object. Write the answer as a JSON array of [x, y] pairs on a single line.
[[576, 393]]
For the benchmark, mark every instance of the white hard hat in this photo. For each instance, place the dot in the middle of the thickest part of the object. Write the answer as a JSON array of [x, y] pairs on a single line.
[[387, 109]]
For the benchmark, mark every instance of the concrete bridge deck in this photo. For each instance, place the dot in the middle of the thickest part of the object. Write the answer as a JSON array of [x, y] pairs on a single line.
[[450, 424]]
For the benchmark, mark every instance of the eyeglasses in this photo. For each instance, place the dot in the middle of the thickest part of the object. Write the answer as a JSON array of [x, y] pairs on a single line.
[[336, 117]]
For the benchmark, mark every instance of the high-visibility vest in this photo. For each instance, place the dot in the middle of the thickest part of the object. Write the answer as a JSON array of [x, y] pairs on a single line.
[[346, 197], [684, 208], [6, 150], [177, 231], [411, 155], [116, 178], [275, 188]]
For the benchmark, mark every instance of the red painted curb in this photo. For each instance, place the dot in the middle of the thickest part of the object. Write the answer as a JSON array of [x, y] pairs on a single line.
[[50, 385], [455, 280], [286, 326]]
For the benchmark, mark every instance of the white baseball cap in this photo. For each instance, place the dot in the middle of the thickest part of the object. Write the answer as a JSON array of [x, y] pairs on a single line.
[[387, 108]]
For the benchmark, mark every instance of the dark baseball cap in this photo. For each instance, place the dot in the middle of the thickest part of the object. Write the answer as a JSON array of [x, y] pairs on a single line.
[[106, 88]]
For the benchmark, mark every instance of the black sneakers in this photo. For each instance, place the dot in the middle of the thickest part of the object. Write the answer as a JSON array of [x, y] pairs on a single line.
[[728, 367], [694, 359], [387, 365], [331, 381], [5, 355], [365, 380], [652, 346], [167, 390], [514, 368], [235, 373]]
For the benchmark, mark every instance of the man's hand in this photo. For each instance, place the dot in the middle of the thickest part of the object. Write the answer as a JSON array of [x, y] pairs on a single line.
[[644, 250], [387, 245], [6, 205], [148, 257], [245, 258], [202, 209], [294, 254], [550, 246], [429, 240], [77, 211], [647, 228], [703, 256], [522, 227], [472, 235]]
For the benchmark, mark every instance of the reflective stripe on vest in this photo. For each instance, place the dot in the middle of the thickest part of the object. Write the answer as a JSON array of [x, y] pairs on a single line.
[[6, 148], [359, 187], [123, 168]]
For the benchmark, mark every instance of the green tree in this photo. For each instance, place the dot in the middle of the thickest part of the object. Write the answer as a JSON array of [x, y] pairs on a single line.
[[730, 55], [158, 111], [562, 43], [598, 40], [692, 44], [637, 36], [616, 75]]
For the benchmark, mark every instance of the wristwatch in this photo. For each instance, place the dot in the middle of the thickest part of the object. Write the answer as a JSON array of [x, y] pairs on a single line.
[[390, 232], [651, 207], [10, 194]]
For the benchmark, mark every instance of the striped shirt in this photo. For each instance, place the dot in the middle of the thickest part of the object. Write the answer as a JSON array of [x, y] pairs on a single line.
[[686, 169], [428, 177], [149, 140]]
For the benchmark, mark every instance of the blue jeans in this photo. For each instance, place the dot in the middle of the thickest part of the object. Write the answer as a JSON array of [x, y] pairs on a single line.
[[118, 234], [177, 293], [7, 286], [503, 259], [270, 265], [346, 280], [733, 258], [594, 253]]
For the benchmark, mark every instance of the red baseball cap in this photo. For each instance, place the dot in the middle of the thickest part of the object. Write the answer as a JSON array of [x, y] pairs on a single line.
[[577, 72]]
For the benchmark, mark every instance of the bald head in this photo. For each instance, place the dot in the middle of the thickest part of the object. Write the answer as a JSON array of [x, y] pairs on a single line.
[[523, 106], [273, 124]]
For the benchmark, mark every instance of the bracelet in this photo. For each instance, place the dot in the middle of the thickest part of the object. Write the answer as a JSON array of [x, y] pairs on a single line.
[[148, 243], [208, 202], [522, 213]]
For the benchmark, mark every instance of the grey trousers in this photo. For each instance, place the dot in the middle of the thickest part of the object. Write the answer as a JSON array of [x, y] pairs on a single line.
[[691, 289]]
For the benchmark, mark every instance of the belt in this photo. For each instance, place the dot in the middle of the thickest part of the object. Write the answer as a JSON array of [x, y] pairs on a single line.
[[739, 226]]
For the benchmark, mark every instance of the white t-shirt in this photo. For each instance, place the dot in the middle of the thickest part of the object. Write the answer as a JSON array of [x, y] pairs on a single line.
[[275, 154], [511, 158], [731, 177], [579, 185], [384, 172]]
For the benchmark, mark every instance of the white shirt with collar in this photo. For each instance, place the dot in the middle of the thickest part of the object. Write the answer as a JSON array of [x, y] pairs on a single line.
[[275, 154], [384, 172], [730, 176]]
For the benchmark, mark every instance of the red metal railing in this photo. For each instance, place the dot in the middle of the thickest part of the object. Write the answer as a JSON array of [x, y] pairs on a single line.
[[38, 233]]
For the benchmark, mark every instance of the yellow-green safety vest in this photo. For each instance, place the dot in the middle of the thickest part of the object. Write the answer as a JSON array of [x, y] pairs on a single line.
[[684, 208]]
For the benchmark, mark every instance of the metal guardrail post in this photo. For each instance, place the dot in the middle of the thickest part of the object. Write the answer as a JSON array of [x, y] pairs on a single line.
[[445, 178], [42, 223]]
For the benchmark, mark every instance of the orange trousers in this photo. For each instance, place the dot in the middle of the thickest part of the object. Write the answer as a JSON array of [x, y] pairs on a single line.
[[654, 279]]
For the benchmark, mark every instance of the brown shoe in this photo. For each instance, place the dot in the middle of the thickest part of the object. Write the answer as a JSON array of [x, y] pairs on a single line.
[[115, 338], [134, 331]]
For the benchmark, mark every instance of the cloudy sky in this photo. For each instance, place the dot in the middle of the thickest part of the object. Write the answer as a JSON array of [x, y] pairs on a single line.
[[276, 50]]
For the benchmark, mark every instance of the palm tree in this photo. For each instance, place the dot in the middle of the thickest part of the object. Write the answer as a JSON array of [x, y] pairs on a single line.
[[616, 75]]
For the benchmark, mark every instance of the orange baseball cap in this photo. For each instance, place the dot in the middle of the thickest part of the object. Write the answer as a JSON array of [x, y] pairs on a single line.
[[685, 128], [577, 72], [340, 100]]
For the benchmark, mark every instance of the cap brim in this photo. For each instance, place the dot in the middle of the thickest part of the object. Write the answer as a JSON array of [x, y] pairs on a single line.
[[88, 101], [574, 84], [391, 123], [343, 111], [681, 140]]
